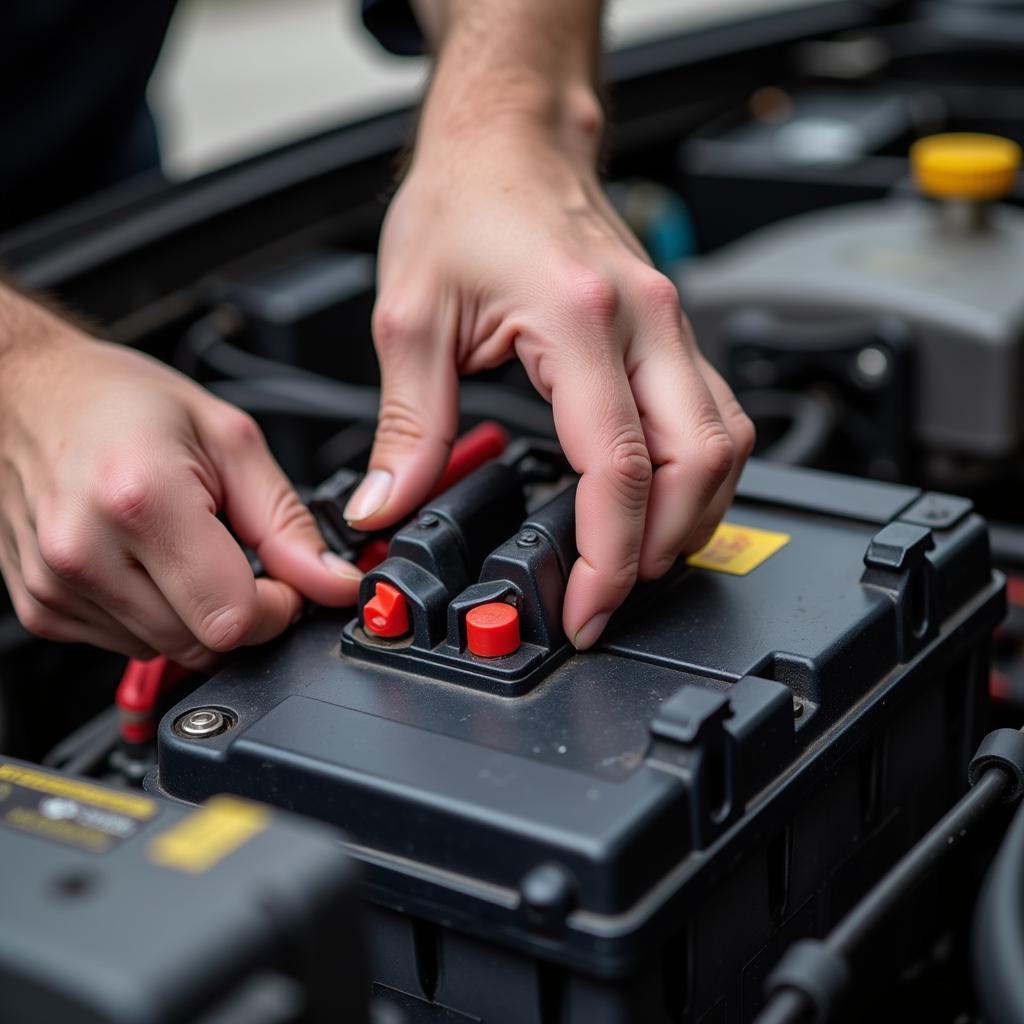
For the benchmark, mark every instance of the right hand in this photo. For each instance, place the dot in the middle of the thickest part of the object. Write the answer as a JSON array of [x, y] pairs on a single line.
[[113, 469]]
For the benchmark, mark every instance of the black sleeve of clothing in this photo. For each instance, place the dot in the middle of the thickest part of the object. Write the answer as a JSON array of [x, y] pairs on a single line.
[[395, 26]]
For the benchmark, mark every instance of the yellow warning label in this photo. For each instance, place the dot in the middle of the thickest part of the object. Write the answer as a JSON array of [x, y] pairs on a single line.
[[134, 806], [738, 549], [205, 838]]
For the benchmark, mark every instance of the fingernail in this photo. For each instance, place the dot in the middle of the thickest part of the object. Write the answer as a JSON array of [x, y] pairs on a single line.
[[337, 565], [370, 496], [587, 635]]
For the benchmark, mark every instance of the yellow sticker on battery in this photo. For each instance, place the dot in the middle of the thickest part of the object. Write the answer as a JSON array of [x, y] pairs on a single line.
[[737, 549], [134, 805], [202, 840]]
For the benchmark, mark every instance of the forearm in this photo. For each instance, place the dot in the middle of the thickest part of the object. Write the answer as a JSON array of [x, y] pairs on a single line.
[[508, 62]]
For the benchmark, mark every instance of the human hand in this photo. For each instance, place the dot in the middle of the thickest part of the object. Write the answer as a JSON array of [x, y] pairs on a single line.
[[501, 243], [113, 469]]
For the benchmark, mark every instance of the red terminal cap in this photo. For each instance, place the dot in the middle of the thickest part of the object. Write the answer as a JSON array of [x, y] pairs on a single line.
[[492, 630], [386, 614]]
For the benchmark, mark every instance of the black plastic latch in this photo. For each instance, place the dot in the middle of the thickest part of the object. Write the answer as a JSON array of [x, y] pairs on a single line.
[[691, 741], [897, 562], [937, 511], [1002, 748], [816, 971]]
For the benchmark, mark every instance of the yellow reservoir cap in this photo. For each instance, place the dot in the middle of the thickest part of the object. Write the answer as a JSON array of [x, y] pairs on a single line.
[[965, 165]]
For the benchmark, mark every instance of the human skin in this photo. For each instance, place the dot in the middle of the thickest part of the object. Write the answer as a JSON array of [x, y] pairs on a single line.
[[500, 243], [113, 468]]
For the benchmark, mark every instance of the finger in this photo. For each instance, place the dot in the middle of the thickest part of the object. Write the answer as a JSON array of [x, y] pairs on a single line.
[[152, 554], [743, 435], [91, 561], [52, 596], [48, 624], [268, 516], [688, 441], [599, 428], [170, 527], [417, 421]]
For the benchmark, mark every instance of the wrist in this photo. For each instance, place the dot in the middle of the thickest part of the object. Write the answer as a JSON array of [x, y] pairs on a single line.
[[519, 107], [29, 336]]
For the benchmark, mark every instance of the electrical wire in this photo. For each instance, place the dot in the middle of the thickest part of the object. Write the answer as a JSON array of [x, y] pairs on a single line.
[[269, 387], [332, 401], [997, 947], [812, 417]]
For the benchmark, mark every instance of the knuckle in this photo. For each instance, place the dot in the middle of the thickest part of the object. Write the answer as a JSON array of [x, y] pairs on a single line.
[[659, 294], [716, 455], [226, 628], [593, 299], [38, 620], [394, 327], [65, 553], [129, 499], [237, 430], [42, 587], [744, 435], [631, 469], [625, 574], [398, 423], [192, 656], [656, 566]]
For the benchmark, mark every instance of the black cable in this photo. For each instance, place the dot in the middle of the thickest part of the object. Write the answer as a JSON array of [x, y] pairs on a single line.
[[786, 1007], [321, 398], [207, 343], [812, 417], [88, 747], [870, 912], [997, 947], [1007, 541], [864, 919], [270, 387]]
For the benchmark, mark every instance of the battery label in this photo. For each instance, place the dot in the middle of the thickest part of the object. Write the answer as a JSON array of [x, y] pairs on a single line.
[[69, 811], [205, 838], [737, 549]]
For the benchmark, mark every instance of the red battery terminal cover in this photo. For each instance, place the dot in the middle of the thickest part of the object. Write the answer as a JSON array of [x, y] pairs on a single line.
[[386, 614], [492, 630]]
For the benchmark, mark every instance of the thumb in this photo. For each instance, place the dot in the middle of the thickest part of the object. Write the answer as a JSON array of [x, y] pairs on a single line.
[[268, 516], [416, 424]]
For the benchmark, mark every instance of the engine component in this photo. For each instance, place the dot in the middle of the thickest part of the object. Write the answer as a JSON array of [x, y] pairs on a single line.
[[942, 272], [121, 908], [635, 833]]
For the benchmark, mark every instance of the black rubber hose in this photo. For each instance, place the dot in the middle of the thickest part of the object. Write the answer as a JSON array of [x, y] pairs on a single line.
[[812, 417], [859, 924], [997, 947], [268, 386], [321, 398], [785, 1007], [790, 1006]]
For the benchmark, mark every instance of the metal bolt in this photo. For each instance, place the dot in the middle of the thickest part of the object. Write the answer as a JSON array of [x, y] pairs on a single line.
[[203, 722], [872, 365], [528, 539], [798, 707], [427, 521]]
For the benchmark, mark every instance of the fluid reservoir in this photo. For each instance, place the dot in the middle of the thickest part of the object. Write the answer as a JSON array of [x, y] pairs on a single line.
[[946, 263]]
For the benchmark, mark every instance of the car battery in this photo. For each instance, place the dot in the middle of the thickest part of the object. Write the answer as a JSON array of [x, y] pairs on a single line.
[[121, 908], [634, 833]]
